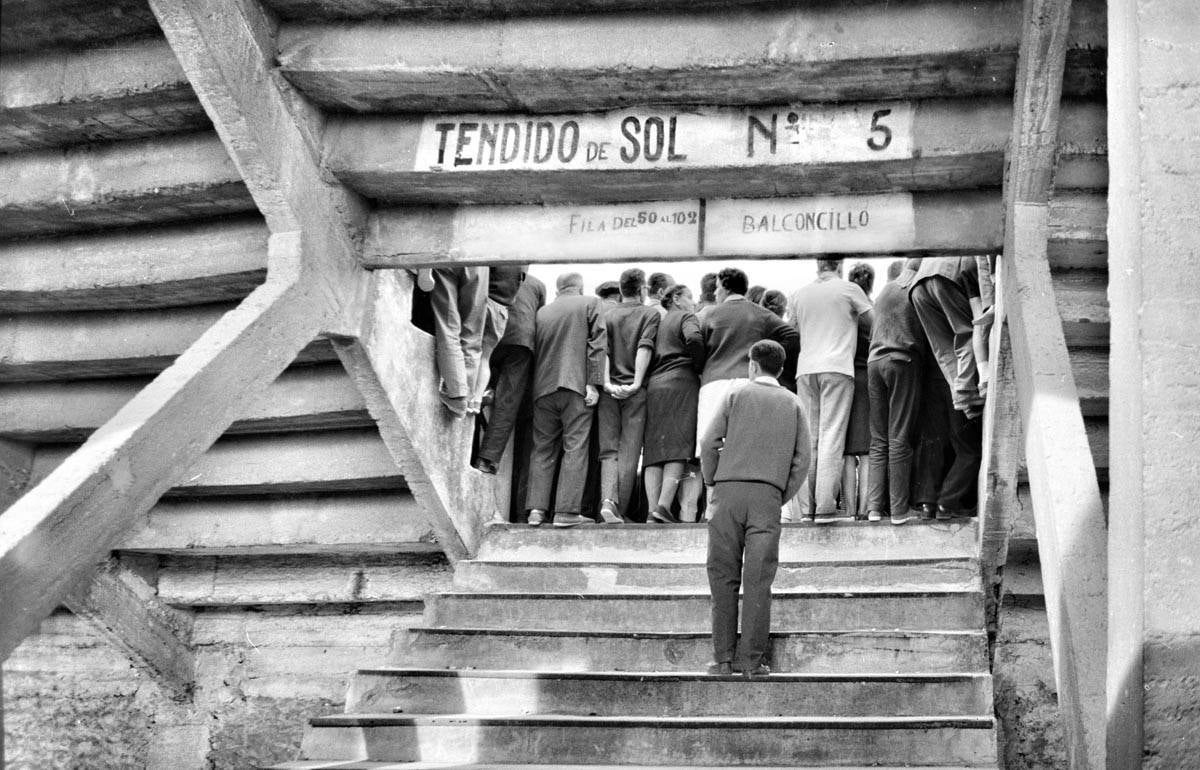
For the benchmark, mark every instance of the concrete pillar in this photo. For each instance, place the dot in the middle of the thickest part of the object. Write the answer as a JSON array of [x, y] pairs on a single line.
[[1154, 239]]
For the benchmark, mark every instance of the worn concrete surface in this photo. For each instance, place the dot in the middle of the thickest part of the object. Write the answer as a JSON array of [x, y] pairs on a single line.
[[1026, 699], [816, 52], [73, 701], [121, 90], [34, 25], [308, 10]]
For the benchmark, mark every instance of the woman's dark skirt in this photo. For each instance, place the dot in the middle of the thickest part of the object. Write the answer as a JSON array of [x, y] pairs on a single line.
[[671, 402]]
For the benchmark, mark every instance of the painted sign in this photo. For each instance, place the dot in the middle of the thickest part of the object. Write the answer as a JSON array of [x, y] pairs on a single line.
[[646, 138], [686, 229], [842, 224]]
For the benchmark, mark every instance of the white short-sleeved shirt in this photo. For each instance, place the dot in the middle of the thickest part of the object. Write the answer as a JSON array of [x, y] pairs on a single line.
[[826, 312]]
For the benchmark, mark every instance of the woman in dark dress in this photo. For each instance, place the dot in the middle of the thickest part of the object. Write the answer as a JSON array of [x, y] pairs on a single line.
[[672, 395], [858, 432]]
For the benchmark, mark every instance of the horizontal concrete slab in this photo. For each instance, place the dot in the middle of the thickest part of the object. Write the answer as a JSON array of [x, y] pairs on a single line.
[[1082, 297], [324, 461], [122, 90], [599, 650], [655, 153], [752, 741], [350, 523], [37, 347], [309, 10], [1090, 366], [210, 581], [794, 610], [1078, 231], [686, 544], [582, 577], [485, 693], [316, 397], [891, 224], [814, 52], [193, 264], [123, 184], [35, 25]]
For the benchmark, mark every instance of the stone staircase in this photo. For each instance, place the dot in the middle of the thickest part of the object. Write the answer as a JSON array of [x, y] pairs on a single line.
[[557, 648]]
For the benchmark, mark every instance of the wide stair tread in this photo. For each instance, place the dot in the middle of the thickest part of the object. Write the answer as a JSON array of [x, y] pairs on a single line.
[[320, 764]]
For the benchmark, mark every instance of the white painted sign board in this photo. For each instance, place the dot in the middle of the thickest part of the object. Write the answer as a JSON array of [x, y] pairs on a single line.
[[646, 138], [842, 224]]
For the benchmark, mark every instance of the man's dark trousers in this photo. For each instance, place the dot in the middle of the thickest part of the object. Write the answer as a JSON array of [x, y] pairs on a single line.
[[512, 367], [743, 552], [959, 488], [622, 431], [933, 437], [561, 421], [894, 386]]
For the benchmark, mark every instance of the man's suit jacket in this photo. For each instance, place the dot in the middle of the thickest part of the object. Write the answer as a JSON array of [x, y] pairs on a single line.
[[571, 345]]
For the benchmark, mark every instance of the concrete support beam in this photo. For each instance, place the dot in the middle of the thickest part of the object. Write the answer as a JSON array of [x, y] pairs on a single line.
[[340, 10], [653, 153], [191, 264], [1062, 476], [329, 461], [1153, 540], [431, 448], [57, 346], [128, 612], [51, 537], [810, 53], [125, 90], [16, 469], [386, 522], [35, 25], [304, 398], [148, 181]]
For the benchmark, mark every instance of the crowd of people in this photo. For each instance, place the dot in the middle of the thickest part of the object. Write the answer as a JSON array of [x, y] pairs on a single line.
[[618, 390]]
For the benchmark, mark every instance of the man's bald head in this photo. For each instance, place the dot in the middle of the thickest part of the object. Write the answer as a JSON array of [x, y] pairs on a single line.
[[570, 283]]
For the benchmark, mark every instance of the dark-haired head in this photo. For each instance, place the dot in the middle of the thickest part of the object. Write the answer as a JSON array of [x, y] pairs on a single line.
[[733, 281], [659, 283], [633, 281], [775, 301], [755, 294], [609, 290], [768, 356], [863, 275], [678, 297]]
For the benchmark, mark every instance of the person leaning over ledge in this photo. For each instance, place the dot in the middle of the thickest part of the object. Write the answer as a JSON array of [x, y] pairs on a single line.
[[754, 455]]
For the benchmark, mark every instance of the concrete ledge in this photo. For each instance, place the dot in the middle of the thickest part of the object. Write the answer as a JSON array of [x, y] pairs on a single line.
[[324, 461], [766, 55], [51, 346], [35, 25], [939, 145], [318, 397], [124, 90], [340, 10], [146, 268], [355, 523], [148, 181]]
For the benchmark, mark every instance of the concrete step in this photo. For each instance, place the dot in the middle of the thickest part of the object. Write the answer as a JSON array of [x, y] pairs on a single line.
[[583, 577], [687, 543], [790, 611], [484, 693], [710, 741], [366, 764], [603, 650]]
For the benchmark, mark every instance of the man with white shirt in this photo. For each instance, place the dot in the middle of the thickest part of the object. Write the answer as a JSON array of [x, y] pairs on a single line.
[[825, 315]]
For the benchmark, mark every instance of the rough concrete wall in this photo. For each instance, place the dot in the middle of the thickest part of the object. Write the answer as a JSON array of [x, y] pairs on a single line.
[[1025, 694], [73, 701], [1154, 231]]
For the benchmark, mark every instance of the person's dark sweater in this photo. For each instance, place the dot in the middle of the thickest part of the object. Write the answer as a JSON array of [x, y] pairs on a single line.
[[963, 272], [679, 345], [522, 313], [631, 326], [897, 332], [571, 346], [732, 327], [758, 434]]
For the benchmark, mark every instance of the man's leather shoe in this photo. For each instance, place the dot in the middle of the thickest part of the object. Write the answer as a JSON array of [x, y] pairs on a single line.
[[536, 518], [762, 669], [720, 669], [563, 520], [663, 516], [484, 466], [927, 511]]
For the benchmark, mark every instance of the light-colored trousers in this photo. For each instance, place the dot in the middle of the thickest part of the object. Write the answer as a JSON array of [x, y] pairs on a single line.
[[459, 301], [825, 399]]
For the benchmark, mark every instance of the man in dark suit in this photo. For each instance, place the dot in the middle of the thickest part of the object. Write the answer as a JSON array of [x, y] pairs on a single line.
[[570, 360], [754, 455]]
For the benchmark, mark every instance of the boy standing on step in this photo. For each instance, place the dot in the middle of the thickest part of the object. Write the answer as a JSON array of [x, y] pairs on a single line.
[[753, 456]]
